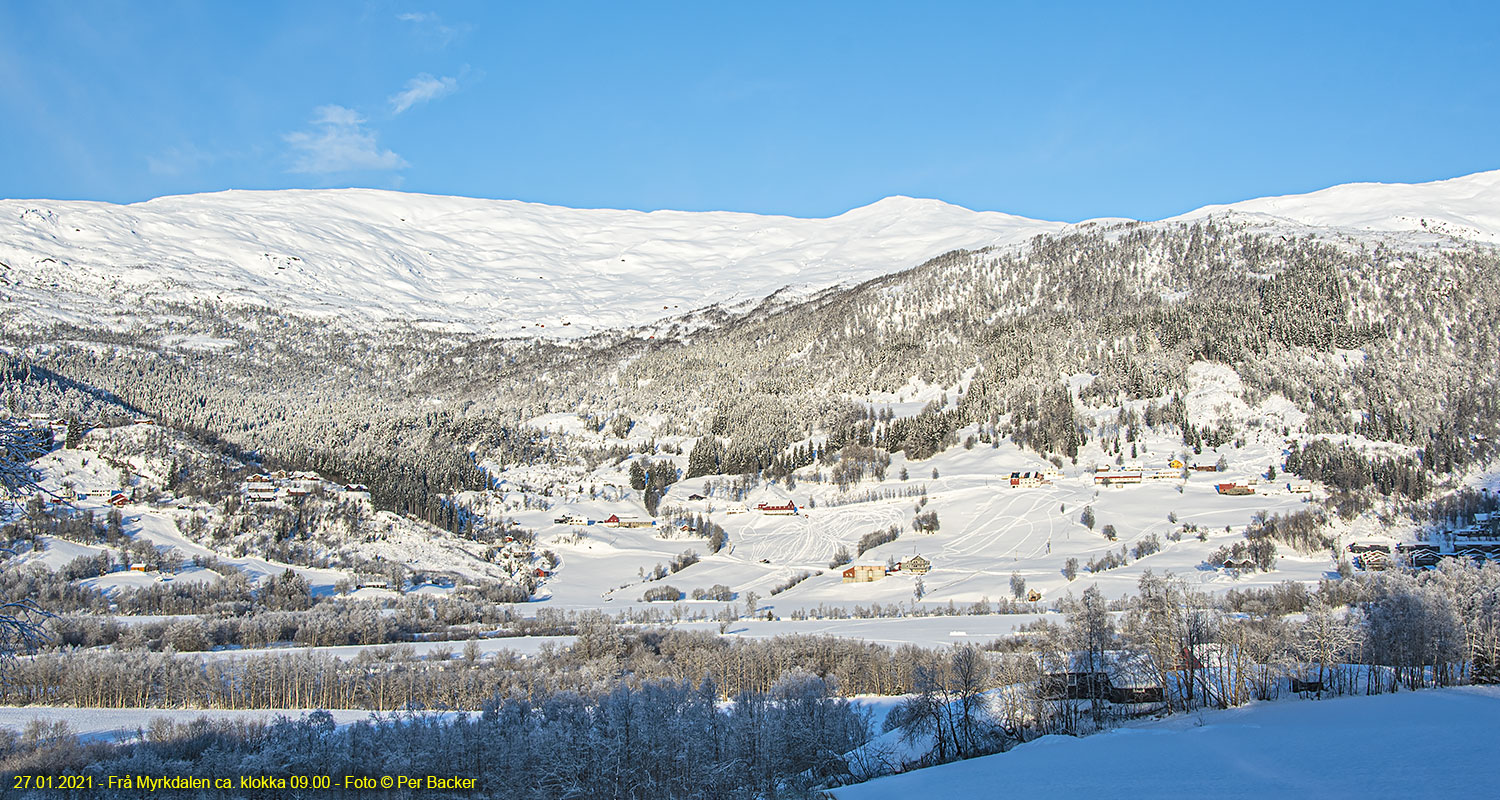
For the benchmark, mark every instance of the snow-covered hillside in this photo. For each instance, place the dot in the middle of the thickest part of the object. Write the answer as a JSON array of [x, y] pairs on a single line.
[[1465, 208], [507, 268], [492, 266]]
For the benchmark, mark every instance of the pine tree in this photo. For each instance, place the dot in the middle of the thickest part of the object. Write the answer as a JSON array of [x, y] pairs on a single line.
[[704, 459], [74, 436]]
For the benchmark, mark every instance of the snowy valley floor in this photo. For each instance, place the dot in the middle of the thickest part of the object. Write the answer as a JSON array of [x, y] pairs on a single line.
[[1435, 743]]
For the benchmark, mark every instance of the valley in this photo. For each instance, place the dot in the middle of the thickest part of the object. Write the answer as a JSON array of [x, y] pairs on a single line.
[[851, 478]]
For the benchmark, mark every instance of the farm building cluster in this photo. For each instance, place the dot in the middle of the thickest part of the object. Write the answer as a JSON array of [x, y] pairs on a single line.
[[612, 521], [115, 497], [787, 509], [518, 559], [279, 485], [866, 573], [1475, 537], [1254, 486], [1031, 479], [1105, 475]]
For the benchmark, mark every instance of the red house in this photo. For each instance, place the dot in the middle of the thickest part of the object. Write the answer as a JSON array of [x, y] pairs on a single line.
[[118, 499], [767, 508]]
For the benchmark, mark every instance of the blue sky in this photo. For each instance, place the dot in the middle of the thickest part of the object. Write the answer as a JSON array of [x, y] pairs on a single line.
[[1050, 110]]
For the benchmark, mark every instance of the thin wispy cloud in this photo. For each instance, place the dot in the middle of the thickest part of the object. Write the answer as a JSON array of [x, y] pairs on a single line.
[[339, 142], [422, 89], [432, 29]]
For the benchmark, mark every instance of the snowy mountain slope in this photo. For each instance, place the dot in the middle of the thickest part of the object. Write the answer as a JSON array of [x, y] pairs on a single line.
[[506, 268], [492, 266], [1467, 207]]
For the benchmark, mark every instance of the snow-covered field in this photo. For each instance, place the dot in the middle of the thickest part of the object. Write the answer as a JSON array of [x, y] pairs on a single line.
[[521, 645], [989, 532], [936, 632], [1437, 743]]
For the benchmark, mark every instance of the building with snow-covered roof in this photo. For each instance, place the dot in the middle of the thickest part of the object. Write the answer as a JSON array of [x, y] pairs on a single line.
[[371, 580], [617, 521], [1025, 480], [864, 573], [1117, 478]]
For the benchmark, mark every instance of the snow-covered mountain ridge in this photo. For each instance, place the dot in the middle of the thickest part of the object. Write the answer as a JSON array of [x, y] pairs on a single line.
[[492, 266], [1463, 208], [505, 267]]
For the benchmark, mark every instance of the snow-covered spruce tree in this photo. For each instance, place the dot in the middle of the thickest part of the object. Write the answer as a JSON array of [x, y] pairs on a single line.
[[20, 617], [19, 444]]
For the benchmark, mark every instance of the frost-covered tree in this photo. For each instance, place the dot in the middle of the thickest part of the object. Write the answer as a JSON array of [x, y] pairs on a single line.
[[19, 444]]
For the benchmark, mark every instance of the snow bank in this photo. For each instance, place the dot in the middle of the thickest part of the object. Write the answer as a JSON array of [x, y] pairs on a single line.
[[1413, 744]]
